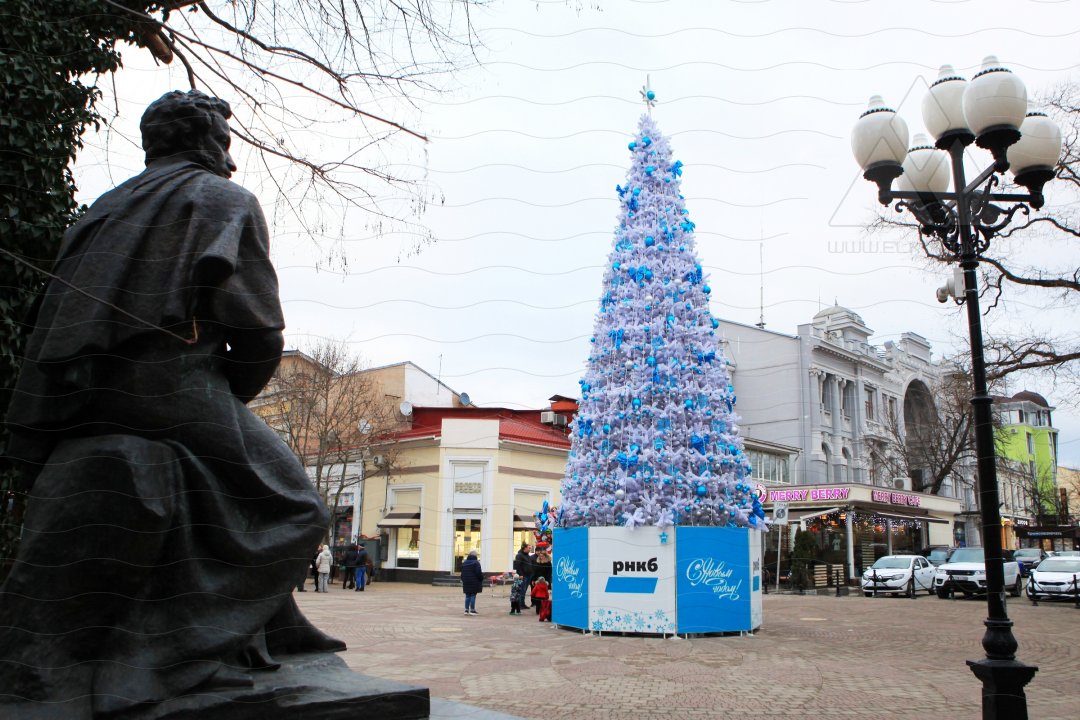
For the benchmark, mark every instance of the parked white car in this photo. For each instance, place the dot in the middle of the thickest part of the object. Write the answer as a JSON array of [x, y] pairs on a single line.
[[896, 574], [1056, 577], [966, 572]]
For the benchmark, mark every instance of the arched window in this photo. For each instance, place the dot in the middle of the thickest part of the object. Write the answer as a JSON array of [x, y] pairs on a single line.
[[828, 460], [844, 474]]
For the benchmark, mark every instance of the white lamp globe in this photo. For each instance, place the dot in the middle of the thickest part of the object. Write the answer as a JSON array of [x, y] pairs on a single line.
[[994, 98], [879, 136], [943, 104], [926, 169], [1039, 146]]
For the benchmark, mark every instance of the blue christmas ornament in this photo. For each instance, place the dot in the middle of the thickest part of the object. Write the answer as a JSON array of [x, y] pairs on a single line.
[[702, 491], [649, 241]]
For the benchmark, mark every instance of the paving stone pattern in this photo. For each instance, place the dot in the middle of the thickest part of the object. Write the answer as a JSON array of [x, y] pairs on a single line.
[[846, 657]]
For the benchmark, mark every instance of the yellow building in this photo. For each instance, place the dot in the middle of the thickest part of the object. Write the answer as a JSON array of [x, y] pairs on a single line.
[[460, 479]]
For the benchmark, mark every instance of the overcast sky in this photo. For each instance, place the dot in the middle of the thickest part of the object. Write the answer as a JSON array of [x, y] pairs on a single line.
[[525, 151]]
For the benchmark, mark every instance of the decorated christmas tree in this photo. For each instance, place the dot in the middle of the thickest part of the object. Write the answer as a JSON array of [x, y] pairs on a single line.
[[656, 439]]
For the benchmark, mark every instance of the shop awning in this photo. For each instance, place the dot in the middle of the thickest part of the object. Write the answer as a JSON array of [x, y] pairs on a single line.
[[900, 516], [401, 520], [524, 521], [807, 513]]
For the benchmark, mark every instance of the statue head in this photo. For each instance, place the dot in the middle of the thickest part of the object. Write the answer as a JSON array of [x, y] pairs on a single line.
[[191, 125]]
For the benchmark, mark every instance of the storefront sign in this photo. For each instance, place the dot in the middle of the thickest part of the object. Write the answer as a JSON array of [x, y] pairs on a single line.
[[895, 498], [825, 493]]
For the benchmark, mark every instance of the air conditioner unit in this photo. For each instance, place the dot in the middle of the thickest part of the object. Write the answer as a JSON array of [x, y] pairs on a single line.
[[900, 484], [560, 420], [378, 460], [548, 417], [1012, 430]]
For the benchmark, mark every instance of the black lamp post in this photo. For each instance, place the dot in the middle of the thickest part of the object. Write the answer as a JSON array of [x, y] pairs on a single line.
[[990, 111]]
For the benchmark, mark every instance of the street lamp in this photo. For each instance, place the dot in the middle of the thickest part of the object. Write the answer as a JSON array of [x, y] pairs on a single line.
[[990, 111]]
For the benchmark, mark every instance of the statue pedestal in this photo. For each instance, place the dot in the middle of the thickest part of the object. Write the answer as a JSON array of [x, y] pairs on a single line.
[[305, 687], [644, 580]]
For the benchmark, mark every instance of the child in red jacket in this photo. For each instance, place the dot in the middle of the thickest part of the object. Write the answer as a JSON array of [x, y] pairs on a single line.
[[541, 597]]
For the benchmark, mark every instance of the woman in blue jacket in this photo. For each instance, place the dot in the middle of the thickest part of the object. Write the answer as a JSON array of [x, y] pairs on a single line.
[[472, 582]]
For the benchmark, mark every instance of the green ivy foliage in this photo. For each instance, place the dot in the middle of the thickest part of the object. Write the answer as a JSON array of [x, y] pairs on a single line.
[[51, 56]]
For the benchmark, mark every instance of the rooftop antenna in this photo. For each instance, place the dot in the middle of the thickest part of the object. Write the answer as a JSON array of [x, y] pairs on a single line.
[[761, 275], [648, 95], [438, 380]]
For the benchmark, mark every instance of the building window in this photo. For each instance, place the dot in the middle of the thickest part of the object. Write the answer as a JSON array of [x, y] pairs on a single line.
[[870, 392], [1031, 444], [845, 468], [827, 401], [768, 467]]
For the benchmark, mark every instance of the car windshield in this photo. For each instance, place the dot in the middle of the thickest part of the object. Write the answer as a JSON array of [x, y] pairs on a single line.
[[1060, 564], [890, 562], [1028, 553], [1069, 553], [938, 556], [972, 555]]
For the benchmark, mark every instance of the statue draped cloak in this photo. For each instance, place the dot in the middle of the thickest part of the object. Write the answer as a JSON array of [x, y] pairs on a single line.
[[167, 524]]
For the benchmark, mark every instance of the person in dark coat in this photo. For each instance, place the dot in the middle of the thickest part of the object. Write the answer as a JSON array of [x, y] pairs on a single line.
[[523, 565], [472, 582], [361, 571], [541, 565], [348, 579]]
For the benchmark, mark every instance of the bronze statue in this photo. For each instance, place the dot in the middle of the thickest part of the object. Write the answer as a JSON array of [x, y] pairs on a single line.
[[167, 524]]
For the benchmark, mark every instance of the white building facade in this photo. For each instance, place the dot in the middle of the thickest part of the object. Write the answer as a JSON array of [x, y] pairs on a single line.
[[833, 395]]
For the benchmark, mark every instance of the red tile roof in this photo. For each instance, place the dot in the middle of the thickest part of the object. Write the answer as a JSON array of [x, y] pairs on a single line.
[[514, 425]]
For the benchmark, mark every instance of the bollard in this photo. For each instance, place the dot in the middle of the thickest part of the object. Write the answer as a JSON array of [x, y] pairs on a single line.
[[874, 571], [1076, 592]]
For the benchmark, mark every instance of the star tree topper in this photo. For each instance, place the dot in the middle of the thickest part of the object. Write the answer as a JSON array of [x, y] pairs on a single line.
[[648, 95]]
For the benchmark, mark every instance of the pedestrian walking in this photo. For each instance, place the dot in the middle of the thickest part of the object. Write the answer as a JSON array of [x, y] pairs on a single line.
[[472, 582], [323, 563]]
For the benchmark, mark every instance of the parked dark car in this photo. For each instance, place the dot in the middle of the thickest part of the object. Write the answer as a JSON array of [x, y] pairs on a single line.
[[937, 554], [1029, 559]]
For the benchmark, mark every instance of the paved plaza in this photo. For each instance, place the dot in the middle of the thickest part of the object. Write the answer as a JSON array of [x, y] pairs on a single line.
[[814, 656]]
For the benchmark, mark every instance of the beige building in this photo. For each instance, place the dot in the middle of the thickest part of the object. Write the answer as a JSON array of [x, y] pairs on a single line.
[[463, 479]]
